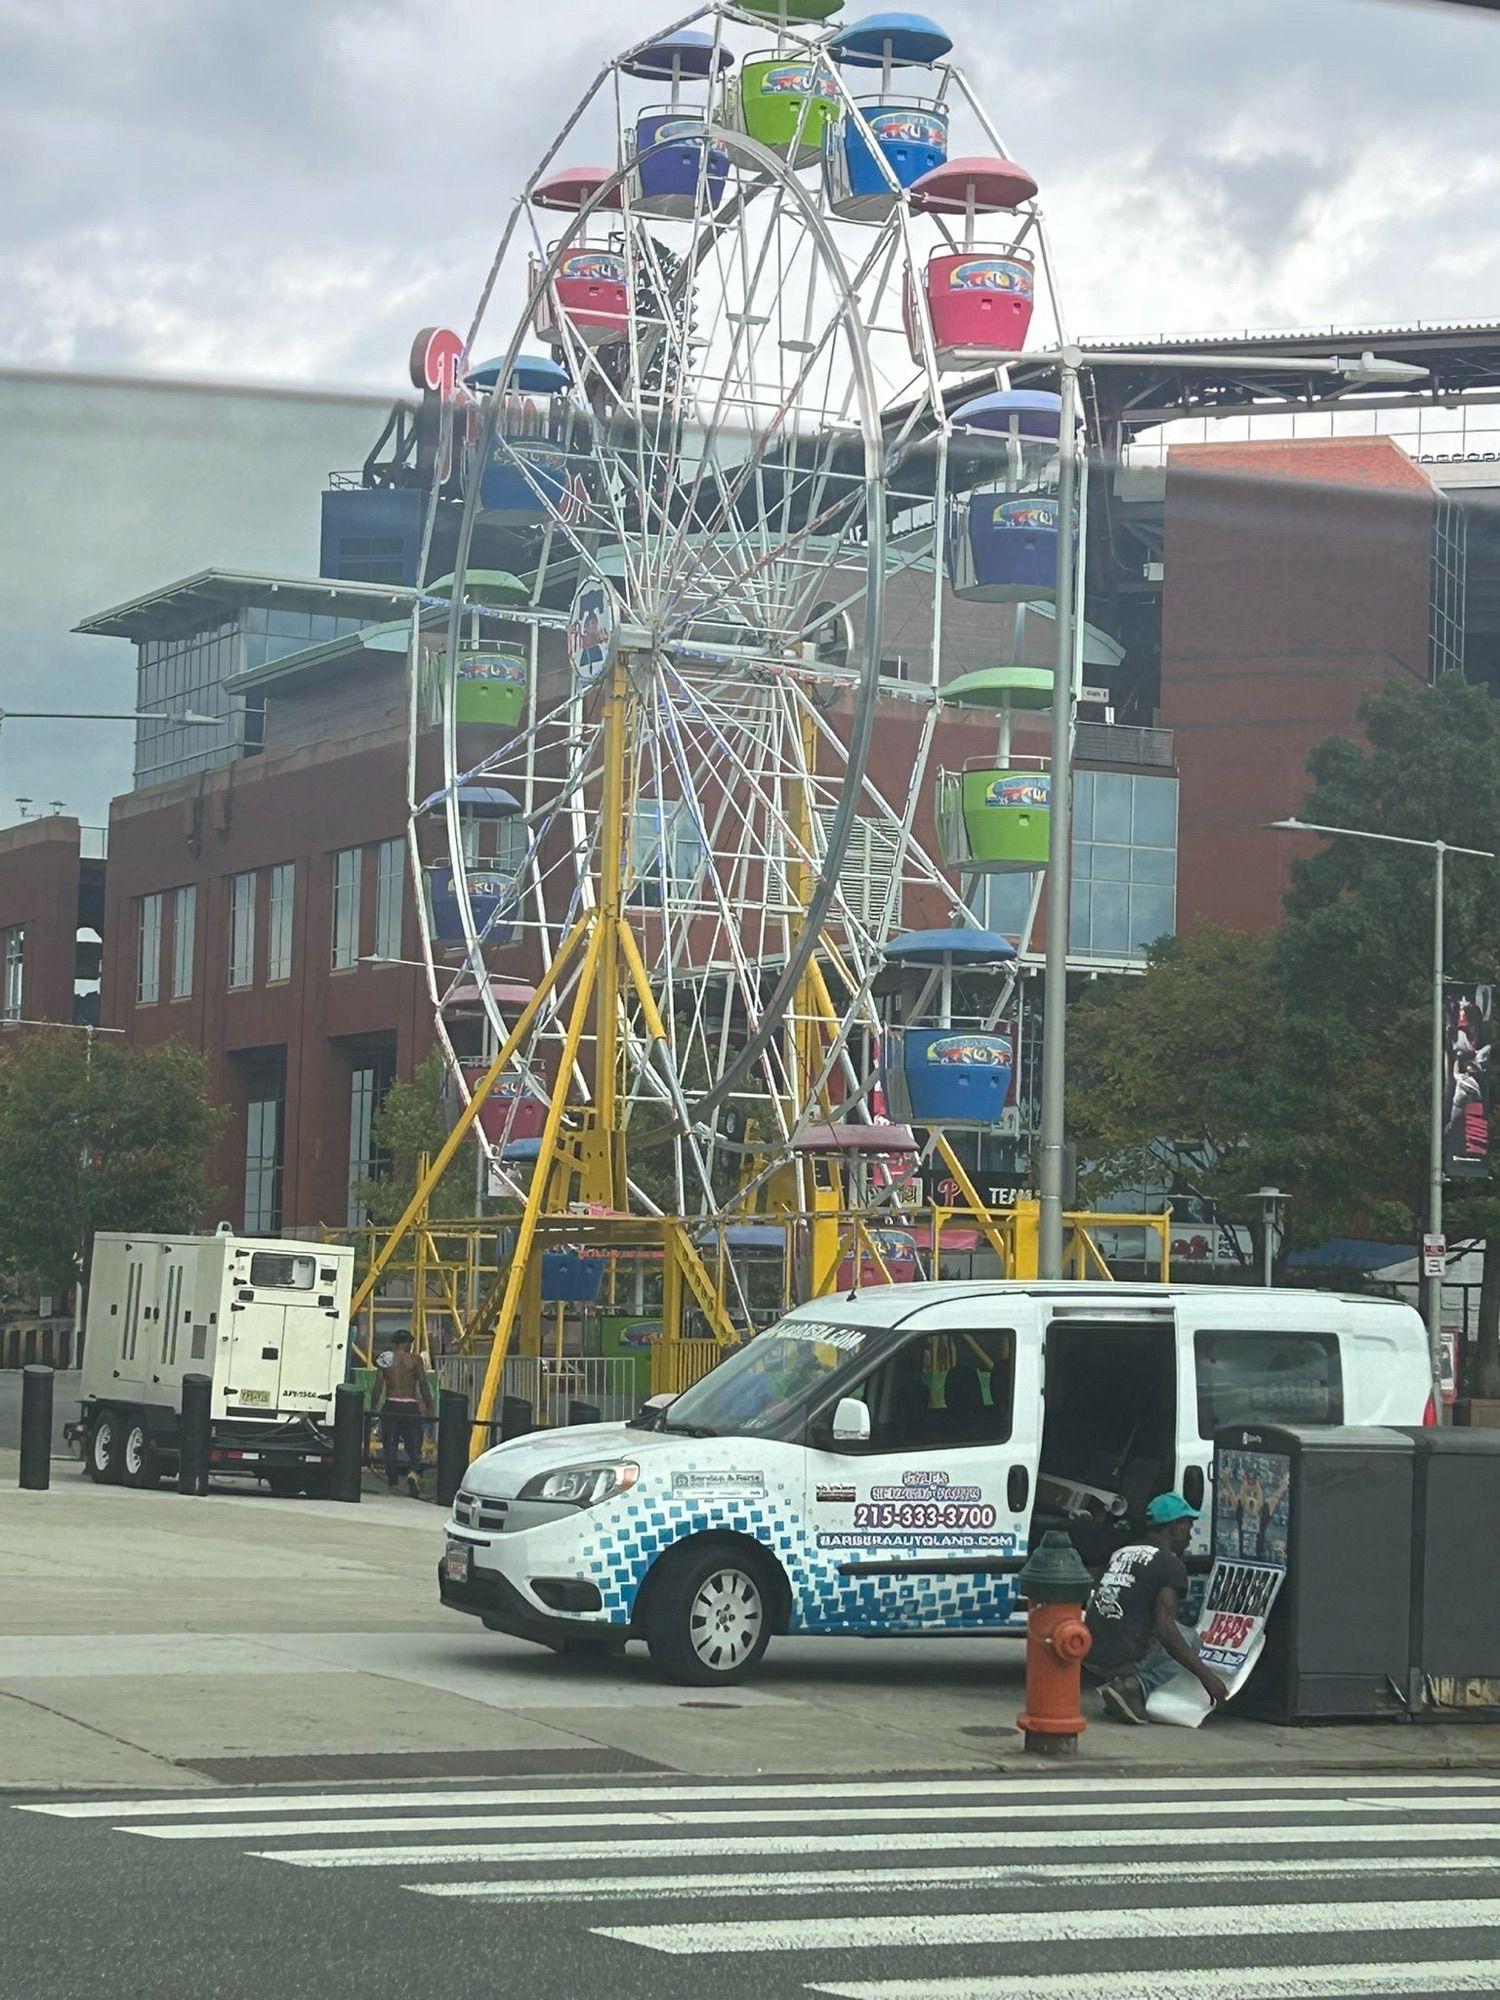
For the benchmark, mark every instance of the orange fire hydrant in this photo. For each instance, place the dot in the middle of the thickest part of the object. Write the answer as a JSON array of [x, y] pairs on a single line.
[[1054, 1583]]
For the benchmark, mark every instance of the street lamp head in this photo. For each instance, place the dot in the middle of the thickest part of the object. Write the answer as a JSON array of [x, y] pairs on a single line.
[[1284, 826], [1371, 368]]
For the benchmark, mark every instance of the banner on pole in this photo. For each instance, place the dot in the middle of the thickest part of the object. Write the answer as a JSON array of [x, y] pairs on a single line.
[[1466, 1078]]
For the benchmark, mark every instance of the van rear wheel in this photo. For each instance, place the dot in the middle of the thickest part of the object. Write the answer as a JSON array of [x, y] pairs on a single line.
[[708, 1621], [106, 1452]]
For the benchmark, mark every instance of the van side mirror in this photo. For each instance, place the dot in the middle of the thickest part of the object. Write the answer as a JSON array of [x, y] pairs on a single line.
[[851, 1422]]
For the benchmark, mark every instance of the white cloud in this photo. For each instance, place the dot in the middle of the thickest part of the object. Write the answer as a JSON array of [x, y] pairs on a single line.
[[287, 191]]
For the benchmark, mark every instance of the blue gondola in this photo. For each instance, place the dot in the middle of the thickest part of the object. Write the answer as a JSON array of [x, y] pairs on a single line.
[[942, 1066], [899, 135], [1003, 530], [687, 175]]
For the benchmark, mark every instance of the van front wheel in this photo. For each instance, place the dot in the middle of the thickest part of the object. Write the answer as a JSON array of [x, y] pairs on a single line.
[[709, 1619]]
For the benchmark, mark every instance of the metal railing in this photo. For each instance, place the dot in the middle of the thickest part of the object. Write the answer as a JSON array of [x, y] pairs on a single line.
[[677, 1364], [607, 1383]]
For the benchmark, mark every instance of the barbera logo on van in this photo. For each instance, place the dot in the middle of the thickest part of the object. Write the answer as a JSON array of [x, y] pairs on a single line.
[[848, 1337]]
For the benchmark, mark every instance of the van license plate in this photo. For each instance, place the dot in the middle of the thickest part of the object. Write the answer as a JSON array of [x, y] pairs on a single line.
[[255, 1396], [456, 1562]]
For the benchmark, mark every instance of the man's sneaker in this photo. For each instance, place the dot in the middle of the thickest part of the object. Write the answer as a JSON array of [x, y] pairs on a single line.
[[413, 1486], [1124, 1699]]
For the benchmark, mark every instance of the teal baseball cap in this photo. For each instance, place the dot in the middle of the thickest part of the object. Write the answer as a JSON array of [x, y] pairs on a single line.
[[1169, 1507]]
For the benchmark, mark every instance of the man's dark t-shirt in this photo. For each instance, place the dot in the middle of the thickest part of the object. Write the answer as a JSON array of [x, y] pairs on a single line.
[[1121, 1614]]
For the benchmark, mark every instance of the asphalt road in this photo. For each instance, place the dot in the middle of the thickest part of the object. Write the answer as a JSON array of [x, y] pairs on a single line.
[[948, 1888]]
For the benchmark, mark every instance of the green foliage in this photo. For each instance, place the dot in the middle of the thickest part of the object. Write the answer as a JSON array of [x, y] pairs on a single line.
[[1305, 1057], [1174, 1063], [97, 1135], [416, 1118]]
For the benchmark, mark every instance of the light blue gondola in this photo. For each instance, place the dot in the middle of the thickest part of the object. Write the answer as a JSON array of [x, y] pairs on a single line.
[[899, 135]]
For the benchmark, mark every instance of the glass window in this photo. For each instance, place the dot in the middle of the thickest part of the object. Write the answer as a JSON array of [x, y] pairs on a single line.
[[1267, 1378], [148, 950], [263, 1128], [281, 888], [941, 1390], [1111, 806], [1124, 864], [346, 868], [283, 1271], [763, 1382], [666, 852], [242, 929], [175, 675], [184, 925], [390, 874], [1001, 902], [15, 972]]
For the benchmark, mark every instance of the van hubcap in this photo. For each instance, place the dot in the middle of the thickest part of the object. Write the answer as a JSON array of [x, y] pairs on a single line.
[[133, 1453], [725, 1620]]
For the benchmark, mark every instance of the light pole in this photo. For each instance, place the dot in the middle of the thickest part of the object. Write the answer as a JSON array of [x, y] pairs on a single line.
[[1364, 371], [1270, 1200], [1432, 1288]]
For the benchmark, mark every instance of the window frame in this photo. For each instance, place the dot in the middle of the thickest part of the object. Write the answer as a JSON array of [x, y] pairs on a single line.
[[820, 1425], [1330, 1344], [280, 916], [390, 898], [344, 909], [241, 969], [148, 915], [184, 941]]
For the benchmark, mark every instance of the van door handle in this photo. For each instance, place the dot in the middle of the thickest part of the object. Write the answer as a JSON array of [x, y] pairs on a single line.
[[1017, 1488]]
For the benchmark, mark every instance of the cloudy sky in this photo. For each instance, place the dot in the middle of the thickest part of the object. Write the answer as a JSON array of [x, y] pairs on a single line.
[[285, 190]]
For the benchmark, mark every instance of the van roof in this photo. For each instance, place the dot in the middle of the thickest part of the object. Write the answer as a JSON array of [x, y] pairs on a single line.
[[903, 1299]]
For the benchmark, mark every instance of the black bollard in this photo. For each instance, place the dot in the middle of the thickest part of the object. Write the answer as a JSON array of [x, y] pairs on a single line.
[[36, 1429], [584, 1413], [515, 1418], [452, 1444], [348, 1443], [193, 1433]]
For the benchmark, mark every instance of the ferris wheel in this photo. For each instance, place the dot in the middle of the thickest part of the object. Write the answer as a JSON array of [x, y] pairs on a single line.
[[670, 742]]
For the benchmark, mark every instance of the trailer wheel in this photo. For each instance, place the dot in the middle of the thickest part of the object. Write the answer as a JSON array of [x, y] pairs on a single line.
[[106, 1453], [708, 1620], [140, 1465]]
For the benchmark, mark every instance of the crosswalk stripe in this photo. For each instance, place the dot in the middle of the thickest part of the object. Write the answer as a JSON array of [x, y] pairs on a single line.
[[792, 1815], [880, 1881], [195, 1805], [1033, 1927], [1432, 1977], [1398, 1833]]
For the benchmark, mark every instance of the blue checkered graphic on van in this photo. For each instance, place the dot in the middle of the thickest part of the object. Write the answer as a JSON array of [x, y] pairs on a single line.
[[641, 1529]]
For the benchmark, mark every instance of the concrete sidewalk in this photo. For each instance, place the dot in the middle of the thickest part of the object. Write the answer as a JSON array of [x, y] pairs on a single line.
[[149, 1641]]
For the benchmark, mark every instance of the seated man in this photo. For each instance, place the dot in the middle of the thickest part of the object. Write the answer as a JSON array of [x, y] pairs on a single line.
[[1132, 1616]]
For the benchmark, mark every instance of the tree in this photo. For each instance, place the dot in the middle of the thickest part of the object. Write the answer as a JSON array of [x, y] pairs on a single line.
[[1353, 962], [1170, 1069], [97, 1135], [416, 1118], [1304, 1057]]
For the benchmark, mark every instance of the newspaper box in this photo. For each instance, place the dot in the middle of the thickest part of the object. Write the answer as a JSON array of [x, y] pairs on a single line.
[[1455, 1584], [1330, 1509]]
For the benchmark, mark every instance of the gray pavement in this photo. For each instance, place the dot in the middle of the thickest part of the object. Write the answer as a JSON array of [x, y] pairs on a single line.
[[150, 1639], [919, 1888], [154, 1640]]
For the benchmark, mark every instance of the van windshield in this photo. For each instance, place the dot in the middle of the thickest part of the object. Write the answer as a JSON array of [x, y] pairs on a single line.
[[757, 1387]]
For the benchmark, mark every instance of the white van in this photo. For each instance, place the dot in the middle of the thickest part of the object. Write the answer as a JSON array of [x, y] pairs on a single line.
[[876, 1464]]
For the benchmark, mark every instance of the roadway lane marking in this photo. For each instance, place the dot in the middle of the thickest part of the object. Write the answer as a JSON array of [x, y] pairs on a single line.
[[790, 1815], [1283, 1982], [1031, 1927], [1394, 1833], [877, 1881], [183, 1807]]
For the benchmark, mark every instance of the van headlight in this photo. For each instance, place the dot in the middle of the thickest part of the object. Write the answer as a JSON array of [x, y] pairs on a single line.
[[582, 1485]]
